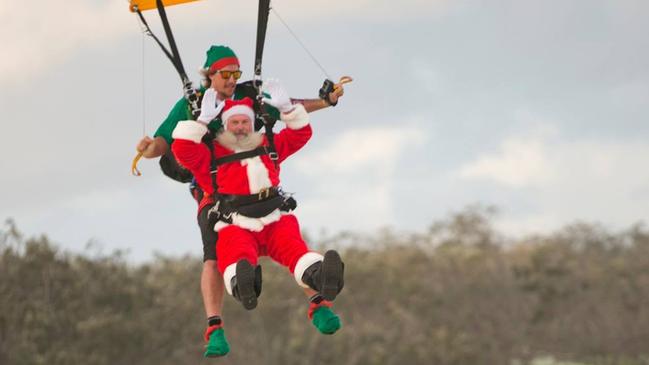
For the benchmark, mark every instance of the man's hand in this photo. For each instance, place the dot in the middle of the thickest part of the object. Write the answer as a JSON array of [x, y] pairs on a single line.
[[278, 96], [152, 147], [336, 94]]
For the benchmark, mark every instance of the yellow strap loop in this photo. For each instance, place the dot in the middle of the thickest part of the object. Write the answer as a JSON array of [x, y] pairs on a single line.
[[134, 169], [345, 80]]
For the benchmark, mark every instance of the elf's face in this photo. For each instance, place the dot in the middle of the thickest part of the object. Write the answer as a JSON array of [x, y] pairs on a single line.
[[224, 87], [240, 125]]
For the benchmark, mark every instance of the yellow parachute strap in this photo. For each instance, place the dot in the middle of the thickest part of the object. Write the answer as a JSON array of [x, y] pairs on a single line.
[[143, 5], [134, 169]]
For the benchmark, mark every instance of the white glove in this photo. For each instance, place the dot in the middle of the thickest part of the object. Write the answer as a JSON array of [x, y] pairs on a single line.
[[209, 110], [278, 96]]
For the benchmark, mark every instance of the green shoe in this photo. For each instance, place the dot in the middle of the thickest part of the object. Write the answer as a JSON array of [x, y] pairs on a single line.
[[325, 320], [217, 345]]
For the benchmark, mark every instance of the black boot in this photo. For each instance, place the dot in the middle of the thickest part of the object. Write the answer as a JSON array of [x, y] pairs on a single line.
[[258, 280], [326, 276], [246, 284]]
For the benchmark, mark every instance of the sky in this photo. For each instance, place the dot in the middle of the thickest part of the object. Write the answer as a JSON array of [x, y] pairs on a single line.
[[537, 107]]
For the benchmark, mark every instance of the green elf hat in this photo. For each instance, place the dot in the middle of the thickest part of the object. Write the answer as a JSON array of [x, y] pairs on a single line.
[[219, 57]]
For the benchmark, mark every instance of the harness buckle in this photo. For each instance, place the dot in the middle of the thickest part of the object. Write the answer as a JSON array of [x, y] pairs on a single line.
[[273, 156], [263, 194]]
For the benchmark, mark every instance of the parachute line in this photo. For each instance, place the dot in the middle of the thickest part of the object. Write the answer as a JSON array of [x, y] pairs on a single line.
[[173, 55], [301, 43]]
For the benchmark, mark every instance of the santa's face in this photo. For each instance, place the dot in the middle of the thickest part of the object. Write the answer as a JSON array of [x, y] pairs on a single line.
[[224, 87], [240, 125]]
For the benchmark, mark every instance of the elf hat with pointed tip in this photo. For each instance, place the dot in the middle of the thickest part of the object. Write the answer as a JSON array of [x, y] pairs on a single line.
[[219, 57]]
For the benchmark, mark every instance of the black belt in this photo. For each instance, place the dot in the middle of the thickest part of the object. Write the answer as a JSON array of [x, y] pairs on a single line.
[[235, 200], [254, 205]]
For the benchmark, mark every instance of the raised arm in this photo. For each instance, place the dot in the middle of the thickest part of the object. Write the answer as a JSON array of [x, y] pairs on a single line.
[[191, 153], [312, 105]]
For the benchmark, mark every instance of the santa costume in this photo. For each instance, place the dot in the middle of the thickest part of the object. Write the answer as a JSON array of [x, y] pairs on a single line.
[[244, 236]]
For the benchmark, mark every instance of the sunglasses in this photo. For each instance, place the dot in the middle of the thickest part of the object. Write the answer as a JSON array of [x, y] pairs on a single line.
[[227, 74]]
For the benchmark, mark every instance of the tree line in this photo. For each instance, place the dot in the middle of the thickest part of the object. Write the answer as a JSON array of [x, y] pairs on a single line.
[[459, 293]]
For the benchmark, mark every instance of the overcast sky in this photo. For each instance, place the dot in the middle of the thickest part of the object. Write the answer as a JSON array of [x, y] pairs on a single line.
[[540, 108]]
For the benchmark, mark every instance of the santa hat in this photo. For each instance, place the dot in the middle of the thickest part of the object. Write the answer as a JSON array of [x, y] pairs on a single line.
[[237, 107], [219, 57]]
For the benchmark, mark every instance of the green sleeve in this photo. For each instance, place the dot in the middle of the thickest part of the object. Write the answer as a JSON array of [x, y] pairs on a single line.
[[179, 112], [274, 113], [215, 125]]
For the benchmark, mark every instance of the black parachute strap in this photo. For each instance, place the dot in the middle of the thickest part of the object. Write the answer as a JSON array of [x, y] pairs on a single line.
[[208, 139], [259, 151], [262, 23], [170, 38], [188, 89], [150, 33], [174, 56], [260, 108], [268, 126], [269, 123]]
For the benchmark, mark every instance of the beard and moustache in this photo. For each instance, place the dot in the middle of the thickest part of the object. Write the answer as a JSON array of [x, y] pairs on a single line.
[[239, 142]]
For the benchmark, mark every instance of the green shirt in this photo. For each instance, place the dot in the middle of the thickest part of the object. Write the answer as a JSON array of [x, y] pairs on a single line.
[[182, 111]]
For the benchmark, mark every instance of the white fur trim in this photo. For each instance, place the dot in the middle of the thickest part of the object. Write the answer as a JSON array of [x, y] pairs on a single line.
[[252, 224], [303, 263], [297, 118], [228, 274], [257, 172], [237, 110], [220, 225], [189, 130]]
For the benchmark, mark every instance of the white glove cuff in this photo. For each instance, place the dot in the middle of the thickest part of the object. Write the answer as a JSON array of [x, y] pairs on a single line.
[[189, 130], [296, 119]]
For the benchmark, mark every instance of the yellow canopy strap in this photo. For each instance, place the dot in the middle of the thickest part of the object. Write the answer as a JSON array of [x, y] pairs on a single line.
[[134, 169], [143, 5]]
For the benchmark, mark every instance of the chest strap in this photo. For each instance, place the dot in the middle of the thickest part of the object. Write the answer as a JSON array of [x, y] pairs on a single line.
[[259, 151]]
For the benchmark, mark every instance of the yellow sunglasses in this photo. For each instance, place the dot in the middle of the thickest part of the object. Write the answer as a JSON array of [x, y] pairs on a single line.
[[227, 74]]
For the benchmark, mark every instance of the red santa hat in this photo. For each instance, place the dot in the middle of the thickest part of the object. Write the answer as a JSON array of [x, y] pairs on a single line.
[[237, 107]]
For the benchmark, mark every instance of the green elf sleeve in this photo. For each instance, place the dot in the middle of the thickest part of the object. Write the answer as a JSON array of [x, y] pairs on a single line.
[[179, 112]]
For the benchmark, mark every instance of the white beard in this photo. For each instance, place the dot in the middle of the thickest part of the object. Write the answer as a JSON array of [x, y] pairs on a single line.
[[230, 141]]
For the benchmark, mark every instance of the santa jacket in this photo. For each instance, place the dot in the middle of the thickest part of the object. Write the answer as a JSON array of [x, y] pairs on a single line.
[[244, 177]]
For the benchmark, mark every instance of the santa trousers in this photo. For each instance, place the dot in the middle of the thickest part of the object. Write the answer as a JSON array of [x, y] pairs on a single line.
[[280, 240]]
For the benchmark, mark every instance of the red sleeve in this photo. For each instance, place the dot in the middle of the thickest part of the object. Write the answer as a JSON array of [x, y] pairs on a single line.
[[289, 141], [196, 158]]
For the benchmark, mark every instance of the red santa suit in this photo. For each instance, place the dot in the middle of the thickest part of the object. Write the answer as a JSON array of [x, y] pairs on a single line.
[[276, 234]]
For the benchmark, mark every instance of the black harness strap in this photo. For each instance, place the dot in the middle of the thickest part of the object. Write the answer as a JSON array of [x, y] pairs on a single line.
[[261, 150], [152, 35], [174, 56], [188, 89], [260, 109], [262, 23], [170, 38]]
